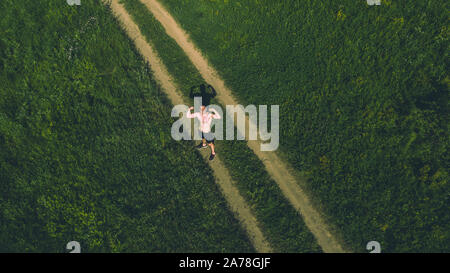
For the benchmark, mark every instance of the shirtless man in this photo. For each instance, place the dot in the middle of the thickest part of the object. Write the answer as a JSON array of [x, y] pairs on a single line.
[[205, 119]]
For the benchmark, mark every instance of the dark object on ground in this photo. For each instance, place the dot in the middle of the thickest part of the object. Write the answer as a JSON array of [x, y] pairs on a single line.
[[205, 91]]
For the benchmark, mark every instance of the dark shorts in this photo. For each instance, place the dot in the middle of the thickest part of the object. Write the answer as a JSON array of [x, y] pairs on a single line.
[[208, 136]]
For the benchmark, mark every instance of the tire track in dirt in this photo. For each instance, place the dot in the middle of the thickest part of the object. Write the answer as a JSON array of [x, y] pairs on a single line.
[[223, 178], [277, 169]]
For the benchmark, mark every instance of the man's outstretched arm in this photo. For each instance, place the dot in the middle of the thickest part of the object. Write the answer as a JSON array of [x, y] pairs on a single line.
[[188, 113]]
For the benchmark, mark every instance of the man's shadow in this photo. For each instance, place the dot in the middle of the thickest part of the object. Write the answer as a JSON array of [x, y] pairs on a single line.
[[205, 91]]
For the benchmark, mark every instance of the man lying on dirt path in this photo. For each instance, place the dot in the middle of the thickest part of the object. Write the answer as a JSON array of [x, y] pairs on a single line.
[[205, 118]]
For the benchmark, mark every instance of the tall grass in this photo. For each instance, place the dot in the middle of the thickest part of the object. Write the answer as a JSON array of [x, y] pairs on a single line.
[[363, 95], [85, 146], [281, 224]]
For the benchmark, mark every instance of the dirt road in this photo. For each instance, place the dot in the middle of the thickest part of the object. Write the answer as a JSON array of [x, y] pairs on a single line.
[[223, 178], [278, 170]]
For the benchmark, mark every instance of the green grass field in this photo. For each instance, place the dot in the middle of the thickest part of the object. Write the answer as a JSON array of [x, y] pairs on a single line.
[[85, 146], [363, 95], [281, 224]]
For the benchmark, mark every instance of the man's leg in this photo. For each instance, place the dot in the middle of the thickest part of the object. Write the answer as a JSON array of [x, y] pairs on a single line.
[[211, 145], [202, 143], [210, 139], [213, 153]]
